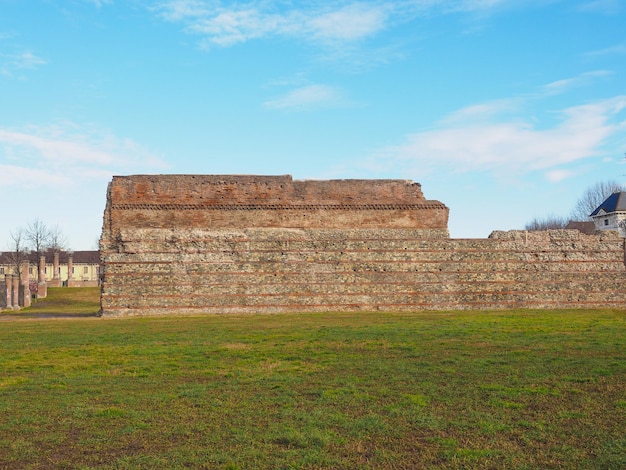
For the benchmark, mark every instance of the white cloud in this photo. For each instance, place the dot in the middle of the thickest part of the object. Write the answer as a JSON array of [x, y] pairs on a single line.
[[618, 49], [483, 111], [561, 86], [12, 63], [226, 28], [343, 29], [228, 25], [307, 97], [481, 7], [554, 176], [63, 151], [223, 23], [474, 5], [607, 7], [55, 151], [349, 23], [179, 10], [30, 178], [512, 145], [28, 60], [99, 3]]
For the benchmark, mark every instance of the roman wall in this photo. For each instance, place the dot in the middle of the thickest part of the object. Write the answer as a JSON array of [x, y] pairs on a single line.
[[218, 244]]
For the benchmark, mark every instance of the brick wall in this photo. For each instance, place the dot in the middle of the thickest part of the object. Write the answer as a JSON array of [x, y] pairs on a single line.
[[3, 292], [200, 201], [219, 260]]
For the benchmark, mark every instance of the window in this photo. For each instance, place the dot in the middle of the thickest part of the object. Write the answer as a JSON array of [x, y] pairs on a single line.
[[1, 270], [606, 222], [86, 270]]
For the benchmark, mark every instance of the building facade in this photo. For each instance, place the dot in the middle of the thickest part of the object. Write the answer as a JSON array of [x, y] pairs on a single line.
[[30, 276], [611, 214]]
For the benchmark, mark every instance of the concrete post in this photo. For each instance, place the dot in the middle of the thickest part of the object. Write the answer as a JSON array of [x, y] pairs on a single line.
[[42, 287], [70, 268], [15, 294], [41, 275], [56, 272], [3, 299], [24, 287], [56, 280], [8, 290]]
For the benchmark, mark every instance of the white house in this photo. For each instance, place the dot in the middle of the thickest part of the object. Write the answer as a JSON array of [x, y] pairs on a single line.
[[611, 214]]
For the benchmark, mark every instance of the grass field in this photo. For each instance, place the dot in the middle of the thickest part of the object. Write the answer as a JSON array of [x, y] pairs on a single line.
[[517, 390], [74, 302]]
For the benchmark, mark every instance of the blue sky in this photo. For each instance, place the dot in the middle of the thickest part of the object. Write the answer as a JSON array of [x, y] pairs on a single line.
[[504, 110]]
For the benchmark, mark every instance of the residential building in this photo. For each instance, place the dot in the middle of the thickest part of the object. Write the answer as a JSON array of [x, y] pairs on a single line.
[[611, 214], [62, 268]]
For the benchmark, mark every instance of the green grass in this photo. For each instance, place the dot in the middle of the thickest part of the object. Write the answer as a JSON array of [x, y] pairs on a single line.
[[74, 301], [519, 390]]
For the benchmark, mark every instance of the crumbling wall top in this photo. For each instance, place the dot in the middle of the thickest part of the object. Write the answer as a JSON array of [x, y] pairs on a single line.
[[245, 201], [253, 189]]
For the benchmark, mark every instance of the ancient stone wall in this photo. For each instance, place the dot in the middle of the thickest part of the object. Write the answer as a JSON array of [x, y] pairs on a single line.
[[167, 260]]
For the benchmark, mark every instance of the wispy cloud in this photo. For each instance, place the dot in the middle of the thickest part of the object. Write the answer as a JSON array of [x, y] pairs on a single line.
[[184, 10], [607, 7], [349, 23], [618, 49], [472, 5], [30, 178], [554, 176], [307, 97], [99, 3], [224, 25], [25, 60], [228, 23], [61, 152], [344, 31], [511, 145], [562, 86]]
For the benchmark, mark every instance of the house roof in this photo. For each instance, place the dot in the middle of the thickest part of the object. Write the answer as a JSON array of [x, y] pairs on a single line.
[[616, 202], [78, 257], [588, 228]]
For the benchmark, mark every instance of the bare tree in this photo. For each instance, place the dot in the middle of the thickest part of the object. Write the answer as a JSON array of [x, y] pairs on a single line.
[[57, 240], [18, 250], [550, 222], [593, 197], [38, 235]]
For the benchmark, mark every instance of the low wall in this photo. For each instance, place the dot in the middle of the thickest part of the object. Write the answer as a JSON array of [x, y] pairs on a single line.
[[152, 271]]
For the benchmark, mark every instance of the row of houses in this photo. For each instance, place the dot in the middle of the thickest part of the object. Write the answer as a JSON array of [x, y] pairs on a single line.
[[28, 276], [60, 268]]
